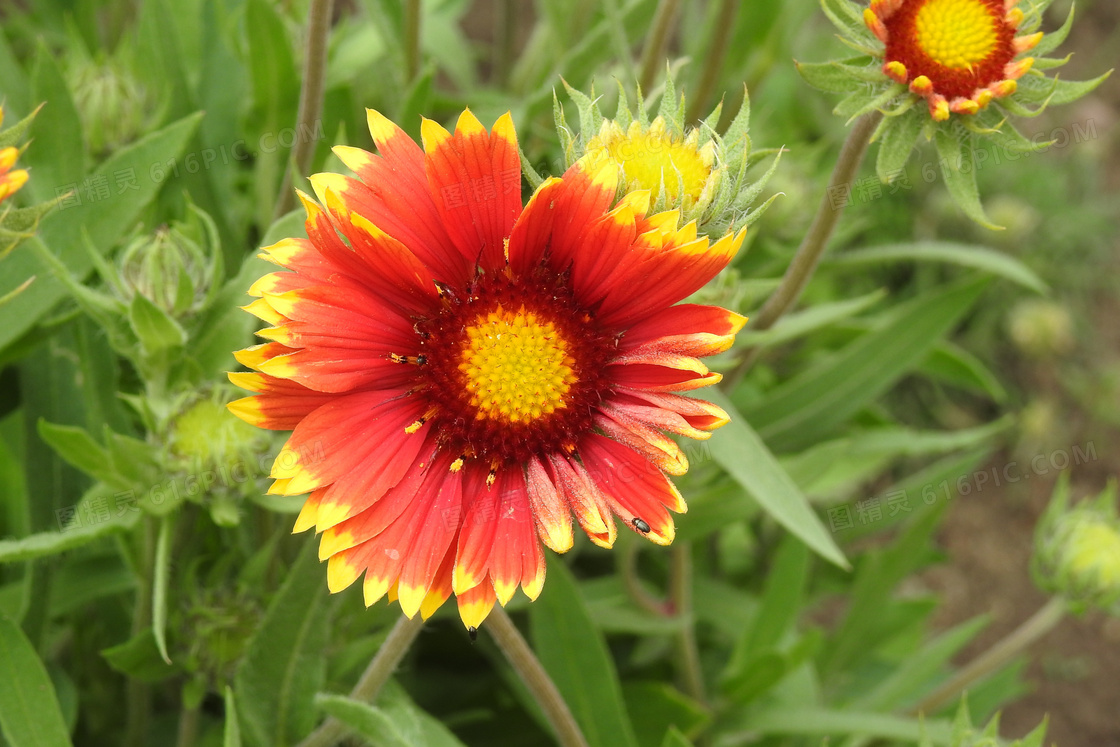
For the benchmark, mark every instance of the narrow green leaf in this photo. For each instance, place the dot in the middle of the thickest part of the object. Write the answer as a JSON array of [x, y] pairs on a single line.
[[285, 663], [817, 401], [231, 732], [29, 712], [781, 602], [657, 707], [828, 77], [1068, 91], [575, 655], [160, 581], [79, 449], [674, 738], [58, 157], [966, 255], [956, 366], [824, 723], [367, 721], [956, 153], [801, 323], [747, 459]]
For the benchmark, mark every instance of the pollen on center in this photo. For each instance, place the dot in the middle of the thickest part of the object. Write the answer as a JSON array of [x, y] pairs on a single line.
[[516, 366], [958, 34]]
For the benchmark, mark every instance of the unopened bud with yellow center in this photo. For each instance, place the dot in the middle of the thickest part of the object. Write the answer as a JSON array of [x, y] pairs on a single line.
[[1077, 549], [1041, 328], [696, 171]]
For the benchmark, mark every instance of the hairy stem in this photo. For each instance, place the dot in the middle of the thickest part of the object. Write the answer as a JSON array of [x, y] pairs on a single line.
[[412, 39], [528, 667], [188, 727], [139, 695], [808, 255], [310, 99], [653, 55], [713, 62], [992, 660], [680, 596], [380, 668]]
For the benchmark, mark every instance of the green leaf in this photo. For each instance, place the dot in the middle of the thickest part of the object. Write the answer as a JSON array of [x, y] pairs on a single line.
[[956, 366], [29, 711], [54, 542], [817, 401], [139, 657], [673, 738], [899, 136], [367, 721], [231, 732], [161, 578], [14, 135], [285, 662], [801, 323], [58, 157], [957, 155], [814, 722], [747, 459], [79, 449], [575, 655], [155, 329], [657, 707], [105, 221], [966, 255], [1068, 91], [829, 77]]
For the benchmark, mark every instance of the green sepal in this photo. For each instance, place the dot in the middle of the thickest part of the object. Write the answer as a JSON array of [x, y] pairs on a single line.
[[1054, 39], [15, 133], [897, 143], [155, 329], [1067, 91], [876, 103], [958, 168], [844, 16]]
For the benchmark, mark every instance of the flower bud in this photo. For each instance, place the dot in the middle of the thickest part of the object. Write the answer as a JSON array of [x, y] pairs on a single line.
[[113, 106], [168, 268], [1041, 328], [1077, 549]]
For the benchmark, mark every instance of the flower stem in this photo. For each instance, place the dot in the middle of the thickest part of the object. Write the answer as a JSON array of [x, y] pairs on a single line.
[[1039, 624], [310, 99], [713, 61], [680, 596], [139, 694], [505, 39], [808, 255], [412, 39], [653, 55], [382, 666], [188, 727], [528, 667], [628, 570]]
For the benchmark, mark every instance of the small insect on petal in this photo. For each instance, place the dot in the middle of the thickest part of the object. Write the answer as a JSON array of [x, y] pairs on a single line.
[[641, 526], [472, 631]]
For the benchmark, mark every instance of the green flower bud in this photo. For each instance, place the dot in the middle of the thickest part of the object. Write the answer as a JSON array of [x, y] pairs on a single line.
[[1041, 328], [1077, 549], [170, 269], [113, 106], [205, 436]]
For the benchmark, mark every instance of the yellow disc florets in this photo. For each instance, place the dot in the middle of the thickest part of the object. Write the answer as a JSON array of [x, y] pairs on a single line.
[[956, 33], [516, 366], [651, 157]]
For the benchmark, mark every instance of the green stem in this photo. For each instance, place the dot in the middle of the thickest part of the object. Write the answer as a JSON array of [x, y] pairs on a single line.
[[713, 61], [188, 727], [382, 666], [310, 99], [139, 695], [680, 596], [994, 659], [528, 667], [412, 39], [653, 55], [505, 39], [808, 255], [628, 569]]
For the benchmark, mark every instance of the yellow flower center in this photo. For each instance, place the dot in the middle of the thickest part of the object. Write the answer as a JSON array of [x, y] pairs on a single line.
[[957, 33], [517, 366], [647, 158]]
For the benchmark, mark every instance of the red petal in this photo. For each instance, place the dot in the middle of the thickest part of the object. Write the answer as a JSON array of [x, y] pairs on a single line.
[[515, 538], [279, 405], [584, 497], [476, 537], [634, 487], [551, 512], [685, 329], [475, 180]]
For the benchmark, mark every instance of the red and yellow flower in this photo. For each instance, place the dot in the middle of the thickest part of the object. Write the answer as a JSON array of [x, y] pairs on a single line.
[[959, 55], [463, 374]]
